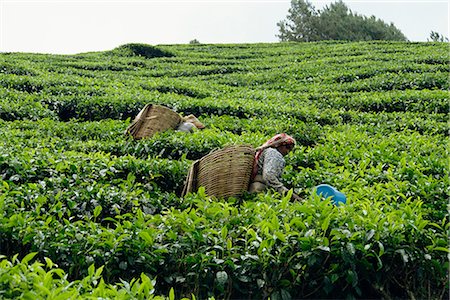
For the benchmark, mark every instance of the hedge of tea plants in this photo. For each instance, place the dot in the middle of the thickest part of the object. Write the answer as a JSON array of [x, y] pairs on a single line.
[[88, 212]]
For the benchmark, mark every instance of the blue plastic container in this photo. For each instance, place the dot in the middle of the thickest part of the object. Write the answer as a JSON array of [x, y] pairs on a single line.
[[326, 190]]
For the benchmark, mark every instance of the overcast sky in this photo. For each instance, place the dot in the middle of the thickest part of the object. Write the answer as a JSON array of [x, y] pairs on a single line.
[[69, 27]]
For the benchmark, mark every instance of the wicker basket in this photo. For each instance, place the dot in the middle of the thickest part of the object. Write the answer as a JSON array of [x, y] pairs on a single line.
[[223, 173], [152, 119]]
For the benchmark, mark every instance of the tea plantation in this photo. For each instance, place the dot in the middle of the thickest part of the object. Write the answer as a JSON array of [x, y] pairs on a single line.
[[87, 212]]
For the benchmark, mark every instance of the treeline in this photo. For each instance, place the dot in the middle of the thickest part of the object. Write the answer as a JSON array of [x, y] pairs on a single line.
[[335, 22]]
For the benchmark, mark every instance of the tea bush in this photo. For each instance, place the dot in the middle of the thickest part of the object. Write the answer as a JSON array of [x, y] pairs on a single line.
[[88, 212], [144, 50], [23, 279]]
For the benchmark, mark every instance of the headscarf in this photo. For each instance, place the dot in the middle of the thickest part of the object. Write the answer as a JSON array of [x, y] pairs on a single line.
[[192, 119], [274, 142]]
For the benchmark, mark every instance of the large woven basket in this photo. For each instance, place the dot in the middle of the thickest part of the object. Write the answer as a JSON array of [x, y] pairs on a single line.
[[223, 173], [152, 119]]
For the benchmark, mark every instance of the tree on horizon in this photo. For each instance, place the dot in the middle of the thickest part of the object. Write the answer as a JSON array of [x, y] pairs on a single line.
[[335, 22]]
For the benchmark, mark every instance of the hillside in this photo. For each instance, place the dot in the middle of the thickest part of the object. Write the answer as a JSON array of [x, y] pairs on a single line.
[[86, 201]]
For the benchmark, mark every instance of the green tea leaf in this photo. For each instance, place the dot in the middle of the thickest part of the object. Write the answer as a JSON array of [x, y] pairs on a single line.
[[28, 257], [97, 211]]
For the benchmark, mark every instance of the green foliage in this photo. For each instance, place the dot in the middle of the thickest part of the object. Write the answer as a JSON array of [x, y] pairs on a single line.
[[102, 214], [143, 50], [300, 24], [334, 22], [23, 279], [437, 37]]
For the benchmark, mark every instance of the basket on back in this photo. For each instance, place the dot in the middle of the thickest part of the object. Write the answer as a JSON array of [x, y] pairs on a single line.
[[152, 119], [223, 173]]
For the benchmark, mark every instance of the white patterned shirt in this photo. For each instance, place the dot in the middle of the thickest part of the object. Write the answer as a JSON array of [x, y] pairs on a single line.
[[271, 164]]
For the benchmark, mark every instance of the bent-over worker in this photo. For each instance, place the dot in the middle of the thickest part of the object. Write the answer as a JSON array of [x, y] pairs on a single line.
[[269, 164], [189, 124]]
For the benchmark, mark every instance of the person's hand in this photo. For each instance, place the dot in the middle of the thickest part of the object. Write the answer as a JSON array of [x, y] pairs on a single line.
[[296, 197]]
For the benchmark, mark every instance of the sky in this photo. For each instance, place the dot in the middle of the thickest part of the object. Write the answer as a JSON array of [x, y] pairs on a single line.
[[77, 26]]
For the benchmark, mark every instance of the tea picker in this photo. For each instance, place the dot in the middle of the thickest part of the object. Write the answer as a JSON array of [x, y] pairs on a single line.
[[157, 118], [269, 165]]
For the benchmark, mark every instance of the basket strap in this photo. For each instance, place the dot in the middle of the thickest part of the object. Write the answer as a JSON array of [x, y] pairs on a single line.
[[134, 127], [191, 179], [146, 108]]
